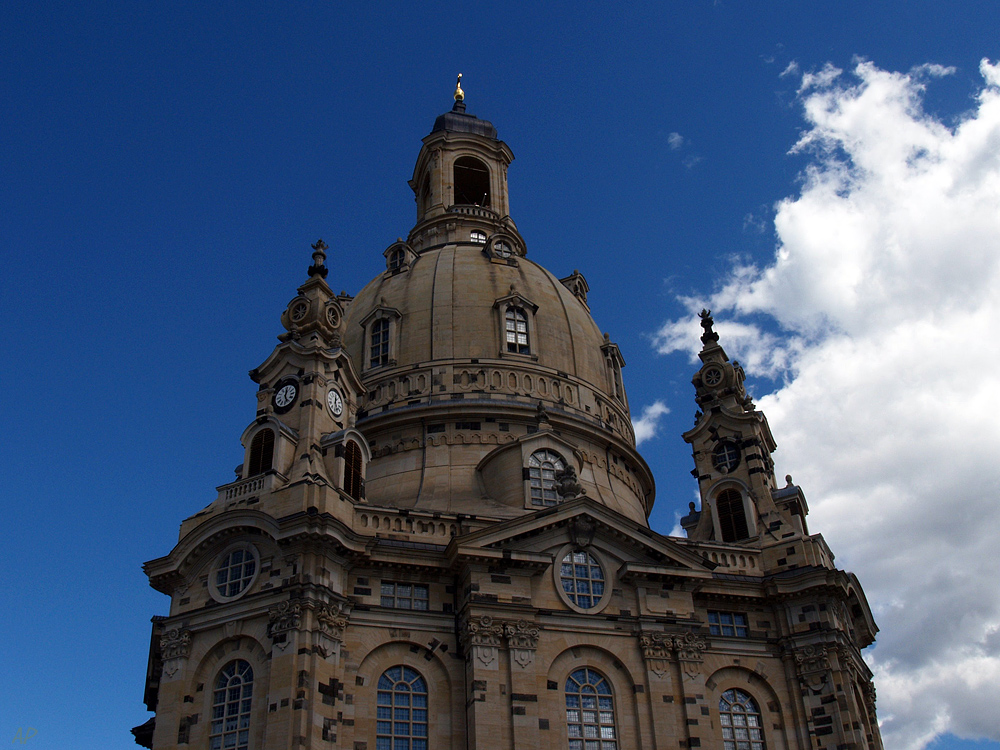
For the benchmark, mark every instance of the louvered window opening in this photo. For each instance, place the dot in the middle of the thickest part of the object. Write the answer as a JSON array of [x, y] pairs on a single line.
[[732, 517], [261, 453], [352, 470]]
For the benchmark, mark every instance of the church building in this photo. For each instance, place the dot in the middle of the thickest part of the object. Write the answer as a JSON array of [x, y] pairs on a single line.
[[438, 536]]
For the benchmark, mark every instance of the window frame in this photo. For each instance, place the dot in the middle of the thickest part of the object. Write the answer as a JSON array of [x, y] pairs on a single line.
[[727, 720], [217, 567], [529, 497], [606, 568], [411, 598], [393, 719], [244, 715], [718, 626], [601, 724]]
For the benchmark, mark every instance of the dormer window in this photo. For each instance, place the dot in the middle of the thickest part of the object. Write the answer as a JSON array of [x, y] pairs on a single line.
[[379, 343], [472, 182], [516, 329], [542, 468], [261, 453], [478, 237], [396, 259]]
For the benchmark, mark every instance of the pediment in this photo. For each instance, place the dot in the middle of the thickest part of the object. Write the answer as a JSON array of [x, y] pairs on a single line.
[[581, 522]]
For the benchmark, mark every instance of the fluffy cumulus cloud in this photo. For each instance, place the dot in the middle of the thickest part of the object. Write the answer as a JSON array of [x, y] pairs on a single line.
[[646, 426], [882, 304]]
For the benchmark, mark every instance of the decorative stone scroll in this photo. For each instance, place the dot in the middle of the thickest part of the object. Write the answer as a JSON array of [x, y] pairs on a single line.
[[332, 620], [522, 640], [284, 617], [812, 665], [690, 649], [657, 649], [175, 647], [482, 636]]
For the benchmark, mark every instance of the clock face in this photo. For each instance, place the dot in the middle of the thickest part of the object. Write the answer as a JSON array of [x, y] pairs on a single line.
[[284, 396], [335, 402]]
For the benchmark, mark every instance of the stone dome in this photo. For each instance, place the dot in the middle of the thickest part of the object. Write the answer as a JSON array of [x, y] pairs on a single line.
[[477, 361]]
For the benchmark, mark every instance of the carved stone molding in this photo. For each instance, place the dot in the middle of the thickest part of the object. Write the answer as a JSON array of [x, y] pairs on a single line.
[[284, 617], [175, 644], [175, 647], [657, 650], [690, 649], [522, 640], [332, 620], [482, 636], [812, 665]]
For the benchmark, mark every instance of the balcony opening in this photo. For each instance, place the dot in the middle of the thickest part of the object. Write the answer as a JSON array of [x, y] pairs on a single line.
[[472, 182]]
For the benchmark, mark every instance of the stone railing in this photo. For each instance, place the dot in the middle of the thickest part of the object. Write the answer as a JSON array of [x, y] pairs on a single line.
[[483, 213], [244, 488]]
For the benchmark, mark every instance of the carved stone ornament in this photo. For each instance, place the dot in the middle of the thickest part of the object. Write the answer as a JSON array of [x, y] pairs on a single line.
[[567, 484], [483, 637], [868, 691], [284, 617], [522, 640], [812, 664], [657, 649], [332, 619], [690, 649], [175, 644], [581, 531]]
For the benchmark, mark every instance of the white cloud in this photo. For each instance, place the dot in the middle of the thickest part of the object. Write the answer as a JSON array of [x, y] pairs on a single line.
[[645, 427], [884, 287], [675, 141]]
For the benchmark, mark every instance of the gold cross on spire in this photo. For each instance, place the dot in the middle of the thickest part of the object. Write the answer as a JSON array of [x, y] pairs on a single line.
[[459, 94]]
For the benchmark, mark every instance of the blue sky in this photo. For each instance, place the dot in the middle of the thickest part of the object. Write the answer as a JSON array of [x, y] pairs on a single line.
[[825, 176]]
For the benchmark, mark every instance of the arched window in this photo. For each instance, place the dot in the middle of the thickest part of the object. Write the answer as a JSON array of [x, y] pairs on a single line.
[[472, 182], [379, 338], [542, 468], [352, 470], [590, 712], [231, 707], [516, 328], [742, 728], [261, 453], [396, 258], [478, 237], [732, 517], [401, 721]]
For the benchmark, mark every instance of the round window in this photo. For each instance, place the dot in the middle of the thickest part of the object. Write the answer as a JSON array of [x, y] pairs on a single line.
[[502, 249], [711, 376], [726, 456], [234, 572], [582, 579]]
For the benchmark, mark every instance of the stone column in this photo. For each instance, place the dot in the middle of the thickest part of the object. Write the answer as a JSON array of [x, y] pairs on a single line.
[[487, 711], [522, 642]]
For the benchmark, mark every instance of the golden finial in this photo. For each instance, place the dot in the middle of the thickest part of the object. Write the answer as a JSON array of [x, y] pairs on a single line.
[[459, 94]]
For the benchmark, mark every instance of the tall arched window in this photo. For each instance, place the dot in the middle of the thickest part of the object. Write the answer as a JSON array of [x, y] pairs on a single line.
[[261, 453], [732, 517], [590, 712], [401, 720], [472, 182], [516, 327], [379, 338], [542, 468], [352, 470], [742, 728], [231, 707]]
